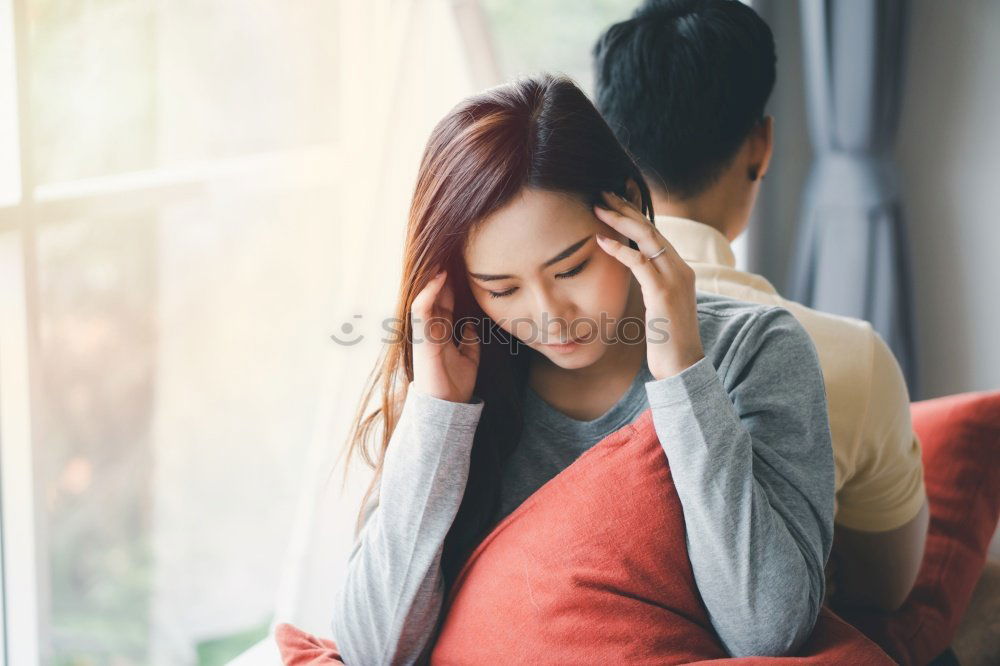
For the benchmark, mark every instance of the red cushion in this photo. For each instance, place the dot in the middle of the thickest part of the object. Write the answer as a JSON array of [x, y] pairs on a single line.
[[300, 648], [960, 439], [593, 568]]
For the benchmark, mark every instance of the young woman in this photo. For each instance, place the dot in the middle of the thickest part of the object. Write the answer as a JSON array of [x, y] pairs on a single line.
[[531, 226]]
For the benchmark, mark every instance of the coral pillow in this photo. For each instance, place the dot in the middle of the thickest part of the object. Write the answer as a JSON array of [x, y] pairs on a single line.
[[827, 645], [592, 568], [960, 439], [300, 648]]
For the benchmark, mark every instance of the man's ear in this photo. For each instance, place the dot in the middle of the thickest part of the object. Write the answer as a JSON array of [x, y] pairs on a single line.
[[632, 193], [762, 137]]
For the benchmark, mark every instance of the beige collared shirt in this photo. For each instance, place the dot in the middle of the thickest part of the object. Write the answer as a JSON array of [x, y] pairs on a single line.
[[879, 474]]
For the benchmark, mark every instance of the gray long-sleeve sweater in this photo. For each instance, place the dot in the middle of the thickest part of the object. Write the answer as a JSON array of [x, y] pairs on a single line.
[[745, 432]]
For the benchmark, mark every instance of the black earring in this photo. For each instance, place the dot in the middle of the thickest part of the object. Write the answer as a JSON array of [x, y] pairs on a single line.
[[752, 173]]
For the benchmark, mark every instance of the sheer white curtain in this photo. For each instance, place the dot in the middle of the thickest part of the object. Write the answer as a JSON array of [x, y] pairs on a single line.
[[405, 65]]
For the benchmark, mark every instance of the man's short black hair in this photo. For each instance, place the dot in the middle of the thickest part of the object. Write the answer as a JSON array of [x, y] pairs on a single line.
[[682, 83]]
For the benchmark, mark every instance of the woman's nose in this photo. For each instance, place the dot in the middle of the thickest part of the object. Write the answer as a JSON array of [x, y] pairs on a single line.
[[554, 315]]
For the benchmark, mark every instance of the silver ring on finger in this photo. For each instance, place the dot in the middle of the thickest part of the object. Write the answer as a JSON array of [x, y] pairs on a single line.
[[662, 250]]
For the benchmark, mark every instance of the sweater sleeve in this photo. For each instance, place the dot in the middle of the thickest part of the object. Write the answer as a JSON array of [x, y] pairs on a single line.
[[386, 609], [751, 458]]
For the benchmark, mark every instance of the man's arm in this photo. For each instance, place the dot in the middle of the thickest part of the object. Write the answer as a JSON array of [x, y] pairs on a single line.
[[882, 518], [878, 569]]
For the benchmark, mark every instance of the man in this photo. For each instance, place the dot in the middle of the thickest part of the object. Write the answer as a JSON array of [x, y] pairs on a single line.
[[683, 84]]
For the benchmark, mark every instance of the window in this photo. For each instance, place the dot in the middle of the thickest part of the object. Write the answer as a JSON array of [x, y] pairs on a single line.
[[167, 185], [554, 36]]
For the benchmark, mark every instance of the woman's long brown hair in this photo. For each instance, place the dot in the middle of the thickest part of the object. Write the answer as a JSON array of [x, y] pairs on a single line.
[[539, 132]]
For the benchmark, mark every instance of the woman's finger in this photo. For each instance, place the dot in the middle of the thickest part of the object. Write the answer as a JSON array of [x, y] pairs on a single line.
[[627, 220], [423, 302], [446, 296], [649, 278], [427, 310]]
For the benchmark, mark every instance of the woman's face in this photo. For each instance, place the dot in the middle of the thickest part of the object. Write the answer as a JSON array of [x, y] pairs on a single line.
[[535, 268]]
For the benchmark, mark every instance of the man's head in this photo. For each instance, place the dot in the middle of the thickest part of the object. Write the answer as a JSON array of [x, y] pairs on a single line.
[[683, 84]]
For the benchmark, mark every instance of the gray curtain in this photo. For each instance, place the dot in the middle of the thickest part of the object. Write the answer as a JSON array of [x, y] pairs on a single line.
[[852, 254]]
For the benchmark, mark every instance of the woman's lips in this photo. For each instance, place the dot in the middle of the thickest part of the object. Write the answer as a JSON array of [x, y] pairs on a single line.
[[564, 346]]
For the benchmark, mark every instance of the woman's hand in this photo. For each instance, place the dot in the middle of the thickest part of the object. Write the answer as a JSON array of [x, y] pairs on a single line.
[[667, 284], [440, 368]]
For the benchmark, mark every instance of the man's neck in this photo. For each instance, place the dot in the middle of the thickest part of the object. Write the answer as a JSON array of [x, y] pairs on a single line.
[[706, 210]]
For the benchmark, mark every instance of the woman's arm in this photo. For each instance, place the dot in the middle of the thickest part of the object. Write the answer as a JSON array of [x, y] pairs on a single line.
[[386, 610], [752, 461]]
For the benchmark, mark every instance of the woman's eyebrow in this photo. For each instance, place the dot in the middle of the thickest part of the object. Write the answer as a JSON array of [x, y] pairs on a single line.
[[559, 257]]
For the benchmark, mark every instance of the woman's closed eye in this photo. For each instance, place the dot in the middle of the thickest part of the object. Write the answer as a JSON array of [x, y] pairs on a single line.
[[570, 273]]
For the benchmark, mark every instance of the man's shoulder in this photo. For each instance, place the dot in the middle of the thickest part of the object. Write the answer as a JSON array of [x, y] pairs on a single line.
[[837, 326], [823, 327], [858, 367]]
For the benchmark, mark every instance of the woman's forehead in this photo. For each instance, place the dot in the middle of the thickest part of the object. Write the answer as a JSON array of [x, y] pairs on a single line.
[[527, 231]]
